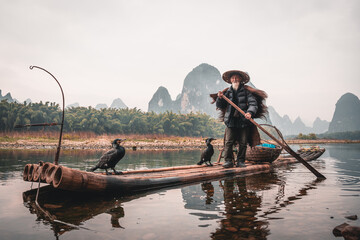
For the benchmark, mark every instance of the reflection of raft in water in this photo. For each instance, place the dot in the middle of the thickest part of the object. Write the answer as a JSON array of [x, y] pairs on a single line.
[[62, 177]]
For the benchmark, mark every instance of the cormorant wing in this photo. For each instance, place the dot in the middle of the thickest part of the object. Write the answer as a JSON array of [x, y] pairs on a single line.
[[105, 158], [207, 153]]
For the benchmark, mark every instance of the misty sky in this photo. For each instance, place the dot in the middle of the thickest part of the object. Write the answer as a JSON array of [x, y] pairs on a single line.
[[304, 54]]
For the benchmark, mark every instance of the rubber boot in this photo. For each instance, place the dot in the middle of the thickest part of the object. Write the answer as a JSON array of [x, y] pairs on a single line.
[[240, 164], [228, 164]]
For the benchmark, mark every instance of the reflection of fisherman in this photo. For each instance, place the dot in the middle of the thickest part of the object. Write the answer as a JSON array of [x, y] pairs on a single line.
[[237, 125], [241, 207]]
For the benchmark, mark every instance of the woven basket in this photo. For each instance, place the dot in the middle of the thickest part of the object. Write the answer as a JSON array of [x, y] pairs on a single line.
[[262, 154]]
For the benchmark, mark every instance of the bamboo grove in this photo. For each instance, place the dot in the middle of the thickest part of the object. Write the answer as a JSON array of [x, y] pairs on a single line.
[[107, 121]]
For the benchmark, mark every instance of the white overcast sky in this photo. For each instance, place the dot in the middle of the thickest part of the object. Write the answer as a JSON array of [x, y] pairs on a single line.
[[304, 54]]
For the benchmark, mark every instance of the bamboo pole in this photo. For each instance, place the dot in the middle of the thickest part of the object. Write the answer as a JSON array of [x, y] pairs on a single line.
[[31, 172], [26, 172], [50, 174], [285, 146], [44, 168], [36, 173]]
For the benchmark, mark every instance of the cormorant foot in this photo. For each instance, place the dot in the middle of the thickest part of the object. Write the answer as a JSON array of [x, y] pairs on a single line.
[[200, 163], [119, 173]]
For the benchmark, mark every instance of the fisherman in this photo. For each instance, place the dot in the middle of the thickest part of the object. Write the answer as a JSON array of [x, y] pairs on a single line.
[[237, 125]]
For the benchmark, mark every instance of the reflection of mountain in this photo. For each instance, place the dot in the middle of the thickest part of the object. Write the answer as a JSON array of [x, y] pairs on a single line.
[[348, 159]]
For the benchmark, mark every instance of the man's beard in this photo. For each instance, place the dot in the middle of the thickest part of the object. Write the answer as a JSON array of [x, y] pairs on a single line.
[[235, 85]]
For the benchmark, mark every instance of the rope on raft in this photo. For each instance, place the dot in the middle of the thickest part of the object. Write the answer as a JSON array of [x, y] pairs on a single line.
[[52, 218]]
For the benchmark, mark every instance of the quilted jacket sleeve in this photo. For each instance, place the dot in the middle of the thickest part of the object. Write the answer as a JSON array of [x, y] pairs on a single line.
[[221, 103], [252, 104]]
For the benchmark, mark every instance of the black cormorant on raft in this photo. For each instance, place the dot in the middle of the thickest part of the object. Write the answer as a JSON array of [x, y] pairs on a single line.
[[112, 157], [207, 153]]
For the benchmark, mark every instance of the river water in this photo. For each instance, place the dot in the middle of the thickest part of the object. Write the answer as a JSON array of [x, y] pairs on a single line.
[[288, 203]]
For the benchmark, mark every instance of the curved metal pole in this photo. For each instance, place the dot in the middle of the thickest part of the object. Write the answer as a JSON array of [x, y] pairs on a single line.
[[63, 113]]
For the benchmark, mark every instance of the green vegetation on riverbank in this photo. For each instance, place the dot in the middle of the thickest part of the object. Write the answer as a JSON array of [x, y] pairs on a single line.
[[107, 121], [337, 135]]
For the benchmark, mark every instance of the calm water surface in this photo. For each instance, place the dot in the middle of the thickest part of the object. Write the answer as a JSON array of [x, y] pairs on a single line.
[[286, 204]]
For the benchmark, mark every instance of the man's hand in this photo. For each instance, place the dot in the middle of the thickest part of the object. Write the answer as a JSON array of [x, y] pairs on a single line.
[[247, 115], [220, 94]]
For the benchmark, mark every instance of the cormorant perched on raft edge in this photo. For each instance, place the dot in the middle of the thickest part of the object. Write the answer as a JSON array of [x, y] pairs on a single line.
[[111, 158], [207, 153]]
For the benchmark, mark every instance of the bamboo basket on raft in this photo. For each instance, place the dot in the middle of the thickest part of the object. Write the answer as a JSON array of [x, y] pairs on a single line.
[[266, 152]]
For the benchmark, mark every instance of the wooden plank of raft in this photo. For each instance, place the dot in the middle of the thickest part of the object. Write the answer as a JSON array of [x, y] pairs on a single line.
[[209, 171], [164, 169], [176, 172]]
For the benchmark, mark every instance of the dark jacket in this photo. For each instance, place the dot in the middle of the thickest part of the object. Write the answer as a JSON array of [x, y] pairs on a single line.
[[244, 99]]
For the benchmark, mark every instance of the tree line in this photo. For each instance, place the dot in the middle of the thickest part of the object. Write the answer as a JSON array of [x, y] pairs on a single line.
[[107, 120], [355, 135]]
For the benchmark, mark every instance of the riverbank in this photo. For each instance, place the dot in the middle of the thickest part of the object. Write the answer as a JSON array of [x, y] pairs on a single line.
[[133, 142]]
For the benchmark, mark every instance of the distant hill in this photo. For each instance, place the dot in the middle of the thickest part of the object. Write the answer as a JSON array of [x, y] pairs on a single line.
[[6, 97], [320, 126], [73, 105], [347, 114], [194, 97], [287, 127], [100, 106], [161, 102], [118, 103]]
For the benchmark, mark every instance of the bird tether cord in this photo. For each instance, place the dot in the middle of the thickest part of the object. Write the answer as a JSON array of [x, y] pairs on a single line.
[[284, 145]]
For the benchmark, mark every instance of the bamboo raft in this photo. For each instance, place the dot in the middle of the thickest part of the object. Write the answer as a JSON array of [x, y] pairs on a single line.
[[65, 178]]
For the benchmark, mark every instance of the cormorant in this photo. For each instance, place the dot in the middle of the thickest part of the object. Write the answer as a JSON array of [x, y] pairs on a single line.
[[111, 158], [207, 153]]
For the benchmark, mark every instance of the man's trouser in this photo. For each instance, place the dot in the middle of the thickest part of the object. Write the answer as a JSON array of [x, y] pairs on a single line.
[[233, 135]]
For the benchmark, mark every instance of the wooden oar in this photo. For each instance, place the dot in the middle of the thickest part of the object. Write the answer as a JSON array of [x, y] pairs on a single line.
[[285, 146]]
